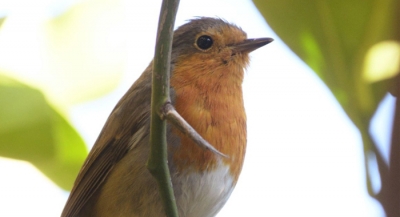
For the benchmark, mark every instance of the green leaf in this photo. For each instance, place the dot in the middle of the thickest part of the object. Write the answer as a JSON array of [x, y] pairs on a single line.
[[335, 38], [32, 130]]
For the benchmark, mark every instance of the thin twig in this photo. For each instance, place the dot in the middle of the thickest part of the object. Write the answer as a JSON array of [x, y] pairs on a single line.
[[157, 163], [169, 113], [383, 168]]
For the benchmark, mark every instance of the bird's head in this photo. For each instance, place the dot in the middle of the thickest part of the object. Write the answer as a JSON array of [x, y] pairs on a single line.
[[211, 47]]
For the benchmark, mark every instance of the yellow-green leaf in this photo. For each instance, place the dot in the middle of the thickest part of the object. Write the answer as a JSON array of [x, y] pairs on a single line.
[[31, 130]]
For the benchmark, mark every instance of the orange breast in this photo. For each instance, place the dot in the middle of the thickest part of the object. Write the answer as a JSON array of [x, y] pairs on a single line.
[[209, 97]]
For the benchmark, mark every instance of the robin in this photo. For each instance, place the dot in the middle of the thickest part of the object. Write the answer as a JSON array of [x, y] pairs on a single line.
[[207, 68]]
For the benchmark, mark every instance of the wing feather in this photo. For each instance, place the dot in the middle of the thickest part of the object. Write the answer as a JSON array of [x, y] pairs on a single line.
[[128, 118]]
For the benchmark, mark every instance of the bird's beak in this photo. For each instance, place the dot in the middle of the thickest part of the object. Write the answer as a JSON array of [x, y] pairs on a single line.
[[250, 45]]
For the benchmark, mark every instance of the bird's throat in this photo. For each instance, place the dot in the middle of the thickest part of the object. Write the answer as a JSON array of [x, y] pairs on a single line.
[[217, 114]]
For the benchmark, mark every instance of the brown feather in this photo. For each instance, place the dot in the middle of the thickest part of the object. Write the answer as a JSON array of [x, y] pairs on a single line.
[[131, 112]]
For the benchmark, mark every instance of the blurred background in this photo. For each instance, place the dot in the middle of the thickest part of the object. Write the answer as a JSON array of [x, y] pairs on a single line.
[[64, 64]]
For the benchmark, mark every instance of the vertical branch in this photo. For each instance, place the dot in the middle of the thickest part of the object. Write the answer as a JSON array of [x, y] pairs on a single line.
[[389, 196], [394, 171], [157, 163]]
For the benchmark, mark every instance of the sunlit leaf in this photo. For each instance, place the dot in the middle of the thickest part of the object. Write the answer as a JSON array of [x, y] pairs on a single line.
[[32, 130], [382, 61]]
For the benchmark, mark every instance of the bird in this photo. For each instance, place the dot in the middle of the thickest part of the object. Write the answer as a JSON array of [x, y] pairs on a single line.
[[208, 59]]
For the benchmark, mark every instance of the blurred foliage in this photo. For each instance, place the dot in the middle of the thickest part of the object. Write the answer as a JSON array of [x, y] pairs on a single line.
[[32, 130], [351, 45], [74, 56], [51, 59]]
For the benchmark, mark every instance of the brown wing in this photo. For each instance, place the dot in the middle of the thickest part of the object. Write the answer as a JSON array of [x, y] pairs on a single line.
[[129, 115]]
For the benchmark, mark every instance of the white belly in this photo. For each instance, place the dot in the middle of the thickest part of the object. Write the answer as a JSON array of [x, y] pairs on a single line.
[[203, 194]]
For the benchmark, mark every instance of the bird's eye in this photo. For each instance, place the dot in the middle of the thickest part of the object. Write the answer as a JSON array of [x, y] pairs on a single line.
[[204, 42]]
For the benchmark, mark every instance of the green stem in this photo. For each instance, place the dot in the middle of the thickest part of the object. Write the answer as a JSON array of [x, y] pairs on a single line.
[[158, 163]]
